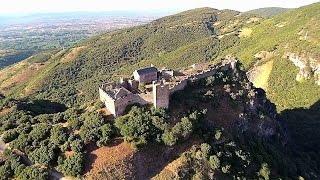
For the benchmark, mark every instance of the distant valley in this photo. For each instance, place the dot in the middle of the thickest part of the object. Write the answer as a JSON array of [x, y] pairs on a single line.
[[21, 37]]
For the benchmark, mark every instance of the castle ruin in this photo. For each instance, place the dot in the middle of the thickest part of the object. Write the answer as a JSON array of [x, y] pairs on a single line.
[[158, 86]]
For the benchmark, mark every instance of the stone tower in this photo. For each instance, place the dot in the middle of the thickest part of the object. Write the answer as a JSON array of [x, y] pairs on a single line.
[[161, 94]]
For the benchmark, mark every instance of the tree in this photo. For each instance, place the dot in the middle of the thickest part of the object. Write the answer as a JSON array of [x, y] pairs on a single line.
[[264, 172], [58, 135], [214, 162], [106, 133], [169, 138], [205, 149], [136, 126], [33, 173], [21, 142], [10, 135], [90, 130], [142, 87], [77, 145], [40, 132], [72, 165], [43, 155]]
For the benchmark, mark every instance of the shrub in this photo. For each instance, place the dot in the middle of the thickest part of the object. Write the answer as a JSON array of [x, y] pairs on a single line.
[[32, 172], [72, 165], [214, 162], [58, 135], [264, 172], [77, 145], [10, 135], [205, 149], [43, 155]]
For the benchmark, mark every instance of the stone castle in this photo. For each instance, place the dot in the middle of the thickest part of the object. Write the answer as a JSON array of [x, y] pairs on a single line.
[[151, 86]]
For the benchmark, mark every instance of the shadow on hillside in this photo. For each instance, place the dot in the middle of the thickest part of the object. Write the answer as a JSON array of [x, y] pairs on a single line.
[[41, 106], [303, 126], [152, 159], [303, 130]]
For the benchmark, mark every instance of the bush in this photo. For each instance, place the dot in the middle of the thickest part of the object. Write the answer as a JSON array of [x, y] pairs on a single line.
[[169, 138], [206, 150], [33, 173], [90, 130], [10, 135], [264, 172], [214, 162], [72, 165], [43, 155], [137, 126], [40, 132], [77, 145], [58, 135]]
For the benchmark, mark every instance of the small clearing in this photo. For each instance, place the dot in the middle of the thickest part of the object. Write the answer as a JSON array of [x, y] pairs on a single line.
[[262, 73], [282, 24], [11, 70], [72, 55], [254, 19], [109, 158], [245, 32]]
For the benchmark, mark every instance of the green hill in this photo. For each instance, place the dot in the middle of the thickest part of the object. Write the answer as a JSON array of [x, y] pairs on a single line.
[[178, 41], [266, 47], [268, 12]]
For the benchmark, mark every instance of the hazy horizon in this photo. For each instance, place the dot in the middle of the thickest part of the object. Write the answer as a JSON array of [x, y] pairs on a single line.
[[31, 7]]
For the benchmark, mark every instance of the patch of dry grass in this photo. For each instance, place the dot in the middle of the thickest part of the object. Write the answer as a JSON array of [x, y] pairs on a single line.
[[72, 55], [245, 32], [261, 80]]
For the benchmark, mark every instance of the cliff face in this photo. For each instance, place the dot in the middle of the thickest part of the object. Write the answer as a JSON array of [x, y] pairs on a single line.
[[309, 67]]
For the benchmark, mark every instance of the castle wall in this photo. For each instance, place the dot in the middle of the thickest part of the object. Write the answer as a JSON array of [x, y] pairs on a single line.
[[112, 84], [122, 103], [133, 85], [108, 101], [205, 74], [182, 84], [179, 86], [146, 78]]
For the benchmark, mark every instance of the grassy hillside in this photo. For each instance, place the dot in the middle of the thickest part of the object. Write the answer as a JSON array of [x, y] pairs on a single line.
[[280, 35], [175, 41], [268, 12]]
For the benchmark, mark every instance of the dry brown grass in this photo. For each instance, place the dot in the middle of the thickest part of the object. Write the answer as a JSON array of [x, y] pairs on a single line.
[[20, 77], [109, 159], [72, 55], [261, 79], [245, 32], [7, 110], [120, 161]]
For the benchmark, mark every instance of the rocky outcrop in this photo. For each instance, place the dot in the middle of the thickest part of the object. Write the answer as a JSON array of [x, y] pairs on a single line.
[[309, 67]]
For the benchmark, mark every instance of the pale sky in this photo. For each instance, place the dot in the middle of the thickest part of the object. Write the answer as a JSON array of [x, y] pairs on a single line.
[[48, 6]]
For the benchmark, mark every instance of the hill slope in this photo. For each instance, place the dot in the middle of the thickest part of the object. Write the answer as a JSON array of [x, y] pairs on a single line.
[[266, 47], [268, 11], [291, 37], [177, 41]]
